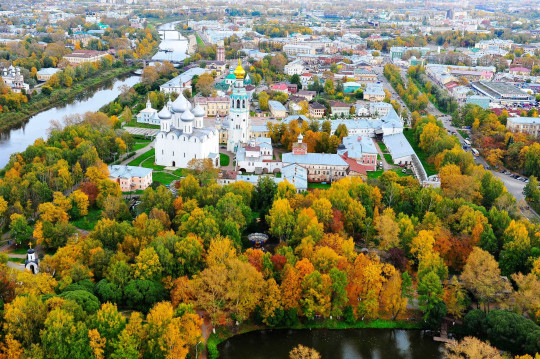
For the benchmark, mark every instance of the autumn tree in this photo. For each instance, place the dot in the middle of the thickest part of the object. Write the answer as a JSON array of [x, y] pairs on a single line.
[[482, 277]]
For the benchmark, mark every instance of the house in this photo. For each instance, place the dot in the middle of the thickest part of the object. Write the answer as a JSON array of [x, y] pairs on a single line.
[[361, 149], [295, 67], [365, 76], [340, 109], [292, 49], [131, 178], [45, 73], [295, 175], [522, 71], [305, 79], [482, 101], [351, 86], [80, 56], [148, 115], [292, 88], [214, 105], [374, 92], [308, 95], [524, 124], [399, 148], [321, 167], [316, 110], [257, 157], [277, 109], [380, 108], [181, 82], [217, 66], [280, 88]]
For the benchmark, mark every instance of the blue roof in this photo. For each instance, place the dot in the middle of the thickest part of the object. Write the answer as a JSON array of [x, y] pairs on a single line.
[[398, 145], [119, 171], [325, 159], [525, 120], [294, 174], [185, 77], [355, 146], [259, 128], [48, 71], [276, 105]]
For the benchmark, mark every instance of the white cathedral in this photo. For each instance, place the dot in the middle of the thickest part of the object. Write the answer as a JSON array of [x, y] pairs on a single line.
[[183, 137]]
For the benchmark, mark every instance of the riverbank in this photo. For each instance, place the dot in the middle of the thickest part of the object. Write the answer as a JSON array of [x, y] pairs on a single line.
[[224, 333], [9, 120]]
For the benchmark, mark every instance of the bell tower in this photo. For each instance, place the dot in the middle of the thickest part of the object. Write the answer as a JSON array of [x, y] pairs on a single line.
[[239, 121]]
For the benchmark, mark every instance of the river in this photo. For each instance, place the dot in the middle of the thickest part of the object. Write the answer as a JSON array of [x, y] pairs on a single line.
[[333, 344], [173, 46], [17, 139]]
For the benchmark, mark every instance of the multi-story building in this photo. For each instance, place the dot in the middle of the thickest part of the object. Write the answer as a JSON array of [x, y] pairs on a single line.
[[220, 54], [277, 109], [45, 73], [80, 56], [131, 178], [257, 157], [214, 105], [292, 49], [340, 109], [321, 167], [529, 125], [374, 92], [364, 76], [295, 67], [361, 149], [181, 82], [316, 110]]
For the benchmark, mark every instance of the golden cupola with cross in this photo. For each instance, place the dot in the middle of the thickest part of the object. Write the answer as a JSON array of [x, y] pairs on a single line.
[[239, 72]]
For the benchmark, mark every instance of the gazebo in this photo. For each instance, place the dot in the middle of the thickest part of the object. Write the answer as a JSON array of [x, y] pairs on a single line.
[[258, 239]]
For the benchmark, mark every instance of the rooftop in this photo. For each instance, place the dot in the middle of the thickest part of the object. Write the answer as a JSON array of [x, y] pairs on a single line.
[[119, 171], [324, 159], [398, 145]]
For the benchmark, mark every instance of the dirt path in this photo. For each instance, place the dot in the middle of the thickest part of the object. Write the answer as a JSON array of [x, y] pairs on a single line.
[[206, 329]]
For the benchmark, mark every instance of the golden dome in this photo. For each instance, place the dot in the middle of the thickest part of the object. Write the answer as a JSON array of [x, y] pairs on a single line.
[[239, 72]]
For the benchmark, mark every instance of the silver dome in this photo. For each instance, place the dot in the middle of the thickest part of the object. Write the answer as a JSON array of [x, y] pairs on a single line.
[[187, 116], [180, 104], [164, 114], [198, 111]]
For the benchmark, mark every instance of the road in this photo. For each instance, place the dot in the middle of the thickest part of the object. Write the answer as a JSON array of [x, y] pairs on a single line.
[[514, 186]]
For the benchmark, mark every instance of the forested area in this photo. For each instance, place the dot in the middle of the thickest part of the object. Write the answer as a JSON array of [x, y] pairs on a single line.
[[359, 251]]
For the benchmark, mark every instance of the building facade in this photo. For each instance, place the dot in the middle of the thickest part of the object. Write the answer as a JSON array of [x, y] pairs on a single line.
[[529, 125], [131, 178], [183, 137], [238, 120]]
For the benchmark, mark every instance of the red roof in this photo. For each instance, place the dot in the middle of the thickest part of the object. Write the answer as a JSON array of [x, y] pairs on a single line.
[[355, 166], [520, 69]]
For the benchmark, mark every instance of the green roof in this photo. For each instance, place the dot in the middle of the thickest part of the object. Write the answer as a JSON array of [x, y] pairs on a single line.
[[230, 76]]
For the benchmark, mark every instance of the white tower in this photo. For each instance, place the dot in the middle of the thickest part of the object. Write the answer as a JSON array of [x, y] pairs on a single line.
[[239, 122]]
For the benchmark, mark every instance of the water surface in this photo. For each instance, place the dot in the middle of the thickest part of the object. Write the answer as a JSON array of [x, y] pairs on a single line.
[[17, 139], [333, 344]]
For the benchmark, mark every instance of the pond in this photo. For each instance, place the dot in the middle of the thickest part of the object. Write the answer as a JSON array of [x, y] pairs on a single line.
[[333, 344]]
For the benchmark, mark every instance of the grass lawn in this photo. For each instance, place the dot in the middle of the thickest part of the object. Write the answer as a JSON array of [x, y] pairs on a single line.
[[144, 156], [149, 163], [463, 133], [388, 158], [378, 173], [382, 146], [224, 159], [20, 250], [319, 185], [141, 144], [134, 123], [199, 40], [17, 260], [163, 177], [89, 221], [430, 169], [181, 172]]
